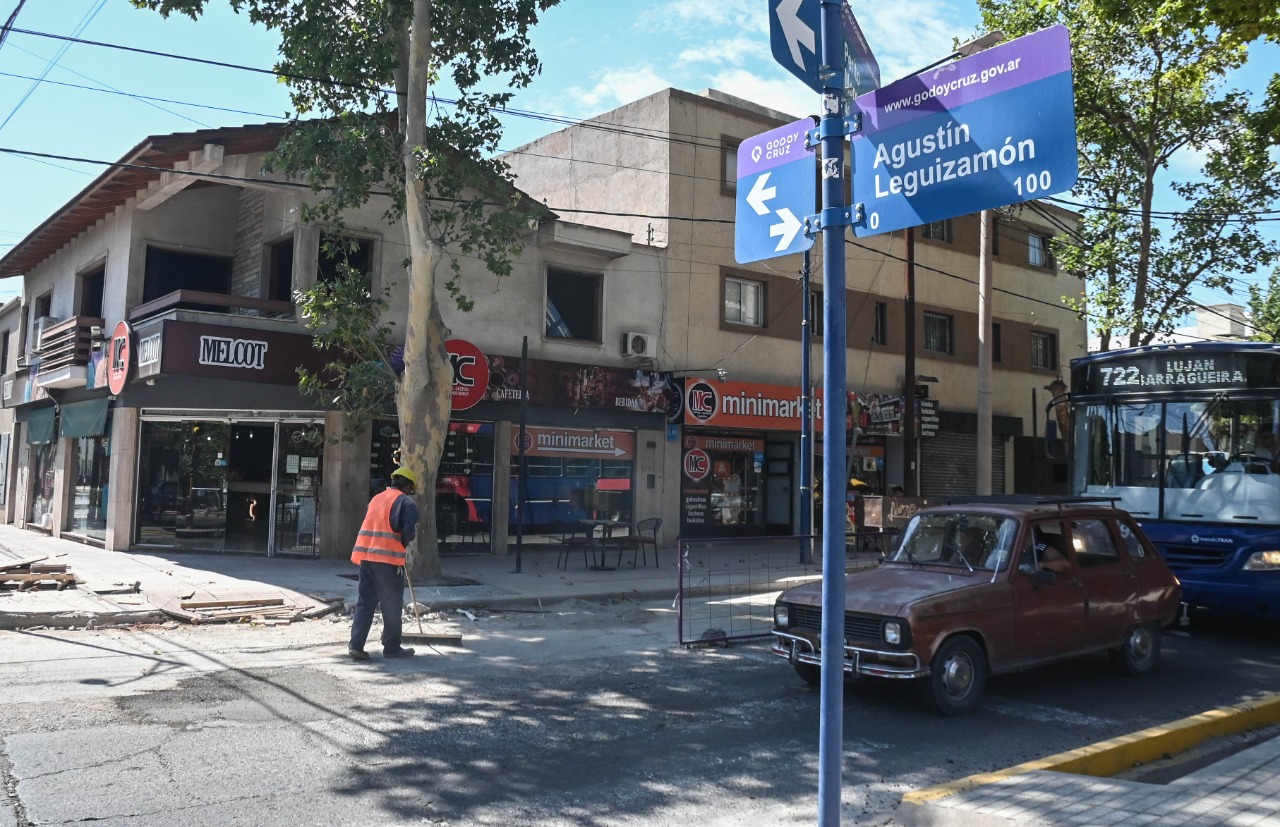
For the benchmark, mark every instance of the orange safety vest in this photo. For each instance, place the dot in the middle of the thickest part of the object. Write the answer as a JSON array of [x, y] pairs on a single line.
[[377, 541]]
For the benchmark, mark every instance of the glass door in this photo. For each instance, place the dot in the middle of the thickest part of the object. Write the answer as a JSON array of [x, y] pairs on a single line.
[[299, 453]]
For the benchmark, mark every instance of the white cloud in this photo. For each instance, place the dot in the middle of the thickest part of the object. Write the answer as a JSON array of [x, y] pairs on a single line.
[[617, 86], [787, 95], [733, 51]]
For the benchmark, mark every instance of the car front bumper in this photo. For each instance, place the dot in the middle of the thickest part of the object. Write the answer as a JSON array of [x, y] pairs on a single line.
[[858, 660]]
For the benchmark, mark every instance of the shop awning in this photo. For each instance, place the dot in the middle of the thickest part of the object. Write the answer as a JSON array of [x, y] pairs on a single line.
[[40, 426], [81, 419]]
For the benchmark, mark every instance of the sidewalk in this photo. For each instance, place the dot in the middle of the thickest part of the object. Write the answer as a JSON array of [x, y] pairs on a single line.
[[485, 580], [1074, 788]]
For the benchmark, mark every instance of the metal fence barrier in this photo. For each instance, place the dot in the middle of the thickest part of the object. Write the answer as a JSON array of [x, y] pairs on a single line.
[[728, 584]]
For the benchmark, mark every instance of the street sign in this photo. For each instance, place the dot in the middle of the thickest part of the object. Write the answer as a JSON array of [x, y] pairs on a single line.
[[995, 128], [777, 188], [795, 27]]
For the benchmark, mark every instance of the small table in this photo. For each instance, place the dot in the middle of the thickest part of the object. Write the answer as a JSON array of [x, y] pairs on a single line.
[[607, 527]]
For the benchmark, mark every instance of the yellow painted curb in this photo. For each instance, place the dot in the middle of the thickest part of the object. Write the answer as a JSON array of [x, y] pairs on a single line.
[[1127, 751]]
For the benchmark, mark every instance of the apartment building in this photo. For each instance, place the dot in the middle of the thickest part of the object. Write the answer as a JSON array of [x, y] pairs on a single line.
[[663, 170], [150, 373]]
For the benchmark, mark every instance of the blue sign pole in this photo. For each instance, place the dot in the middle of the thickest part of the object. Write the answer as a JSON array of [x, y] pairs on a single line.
[[806, 421], [834, 219]]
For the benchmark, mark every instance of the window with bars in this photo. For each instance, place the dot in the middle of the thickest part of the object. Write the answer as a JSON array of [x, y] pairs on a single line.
[[937, 230], [744, 302], [1044, 350], [939, 333]]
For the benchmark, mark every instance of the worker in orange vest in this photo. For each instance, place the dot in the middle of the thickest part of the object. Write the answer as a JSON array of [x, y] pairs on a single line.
[[389, 526]]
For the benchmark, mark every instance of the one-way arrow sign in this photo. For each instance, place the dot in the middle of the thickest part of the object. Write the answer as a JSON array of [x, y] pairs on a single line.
[[777, 187], [794, 27]]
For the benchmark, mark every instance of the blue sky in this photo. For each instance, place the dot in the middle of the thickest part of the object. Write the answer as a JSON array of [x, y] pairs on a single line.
[[597, 54]]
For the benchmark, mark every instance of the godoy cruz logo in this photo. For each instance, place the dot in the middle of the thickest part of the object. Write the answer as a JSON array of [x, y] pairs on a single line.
[[702, 401]]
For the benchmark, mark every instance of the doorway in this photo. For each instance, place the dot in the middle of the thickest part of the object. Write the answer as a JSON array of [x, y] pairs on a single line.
[[778, 464]]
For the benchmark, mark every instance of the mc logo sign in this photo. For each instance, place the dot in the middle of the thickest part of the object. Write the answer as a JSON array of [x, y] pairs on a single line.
[[697, 464], [702, 401]]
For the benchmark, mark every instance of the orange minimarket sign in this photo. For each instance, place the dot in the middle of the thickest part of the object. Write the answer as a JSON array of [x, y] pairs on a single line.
[[718, 404]]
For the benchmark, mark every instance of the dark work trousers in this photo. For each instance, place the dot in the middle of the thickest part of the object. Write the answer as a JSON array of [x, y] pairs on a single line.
[[381, 584]]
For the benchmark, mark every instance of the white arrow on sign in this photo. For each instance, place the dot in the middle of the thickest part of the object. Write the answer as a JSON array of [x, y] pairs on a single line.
[[759, 194], [794, 30], [787, 228], [617, 452]]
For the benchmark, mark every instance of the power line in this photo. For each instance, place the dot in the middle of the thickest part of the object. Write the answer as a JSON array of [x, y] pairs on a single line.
[[81, 26], [8, 24]]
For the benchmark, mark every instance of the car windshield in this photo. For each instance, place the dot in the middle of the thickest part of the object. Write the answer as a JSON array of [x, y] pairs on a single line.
[[971, 542]]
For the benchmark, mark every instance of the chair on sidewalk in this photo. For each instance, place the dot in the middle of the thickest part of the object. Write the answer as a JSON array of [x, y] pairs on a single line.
[[577, 537], [646, 534]]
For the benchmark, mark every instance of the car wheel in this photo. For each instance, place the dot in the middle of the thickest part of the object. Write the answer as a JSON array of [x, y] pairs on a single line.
[[809, 673], [958, 676], [1140, 651]]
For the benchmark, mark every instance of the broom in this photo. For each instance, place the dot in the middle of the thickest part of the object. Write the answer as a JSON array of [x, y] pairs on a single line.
[[423, 636]]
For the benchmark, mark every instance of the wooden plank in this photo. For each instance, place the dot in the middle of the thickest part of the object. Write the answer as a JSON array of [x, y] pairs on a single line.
[[242, 601], [21, 564]]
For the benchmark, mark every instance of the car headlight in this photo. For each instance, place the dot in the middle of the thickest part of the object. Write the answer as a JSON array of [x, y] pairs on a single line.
[[1263, 561], [781, 616], [893, 632]]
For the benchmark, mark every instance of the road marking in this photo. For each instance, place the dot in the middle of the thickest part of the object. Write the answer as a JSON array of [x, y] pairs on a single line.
[[1039, 712]]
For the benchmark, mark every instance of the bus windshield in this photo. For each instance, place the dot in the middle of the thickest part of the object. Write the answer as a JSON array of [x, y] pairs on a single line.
[[1205, 458]]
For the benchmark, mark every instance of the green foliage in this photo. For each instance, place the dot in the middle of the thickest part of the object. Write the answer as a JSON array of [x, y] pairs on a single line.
[[346, 321], [1149, 86], [1264, 309], [1242, 21]]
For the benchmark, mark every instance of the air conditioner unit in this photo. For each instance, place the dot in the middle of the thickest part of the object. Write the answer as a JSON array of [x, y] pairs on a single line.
[[42, 324], [638, 344]]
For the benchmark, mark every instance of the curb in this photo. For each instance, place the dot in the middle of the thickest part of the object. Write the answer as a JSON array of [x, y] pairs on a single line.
[[1107, 758], [17, 621]]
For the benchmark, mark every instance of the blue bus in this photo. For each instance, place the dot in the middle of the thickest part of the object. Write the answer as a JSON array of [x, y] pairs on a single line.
[[1187, 438]]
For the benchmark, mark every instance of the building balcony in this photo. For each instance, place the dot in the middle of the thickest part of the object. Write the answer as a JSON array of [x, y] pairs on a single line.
[[217, 308], [65, 349]]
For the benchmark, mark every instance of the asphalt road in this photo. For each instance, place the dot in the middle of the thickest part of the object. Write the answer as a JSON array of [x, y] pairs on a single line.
[[583, 715]]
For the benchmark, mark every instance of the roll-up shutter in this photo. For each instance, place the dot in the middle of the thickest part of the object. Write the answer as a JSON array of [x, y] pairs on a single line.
[[81, 419], [947, 465]]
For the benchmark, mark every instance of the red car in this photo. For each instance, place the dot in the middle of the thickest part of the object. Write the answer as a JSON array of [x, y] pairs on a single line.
[[984, 588]]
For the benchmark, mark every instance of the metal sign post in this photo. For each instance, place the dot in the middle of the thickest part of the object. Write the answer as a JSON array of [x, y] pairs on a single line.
[[834, 218]]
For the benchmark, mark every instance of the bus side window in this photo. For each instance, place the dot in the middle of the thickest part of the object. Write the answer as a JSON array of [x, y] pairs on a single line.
[[1134, 546]]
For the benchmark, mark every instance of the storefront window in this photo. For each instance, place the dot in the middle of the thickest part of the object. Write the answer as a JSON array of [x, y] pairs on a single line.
[[182, 484], [41, 465], [92, 470], [720, 484]]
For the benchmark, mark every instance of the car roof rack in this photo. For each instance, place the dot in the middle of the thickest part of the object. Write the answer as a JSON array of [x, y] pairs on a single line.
[[1062, 501]]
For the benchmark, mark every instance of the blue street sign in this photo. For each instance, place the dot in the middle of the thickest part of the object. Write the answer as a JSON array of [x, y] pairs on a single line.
[[995, 128], [794, 28], [777, 188]]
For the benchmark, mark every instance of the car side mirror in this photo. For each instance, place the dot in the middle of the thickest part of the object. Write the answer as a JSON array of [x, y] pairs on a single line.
[[1045, 577], [1027, 568]]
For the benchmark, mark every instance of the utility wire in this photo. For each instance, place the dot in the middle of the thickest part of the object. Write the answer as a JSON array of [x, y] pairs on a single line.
[[81, 26], [8, 24]]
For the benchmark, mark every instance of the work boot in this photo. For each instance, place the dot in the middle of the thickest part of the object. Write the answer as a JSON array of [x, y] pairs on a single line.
[[358, 654], [402, 652]]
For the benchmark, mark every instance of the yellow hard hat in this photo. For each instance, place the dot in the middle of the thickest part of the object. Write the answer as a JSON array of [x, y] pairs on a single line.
[[407, 474]]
